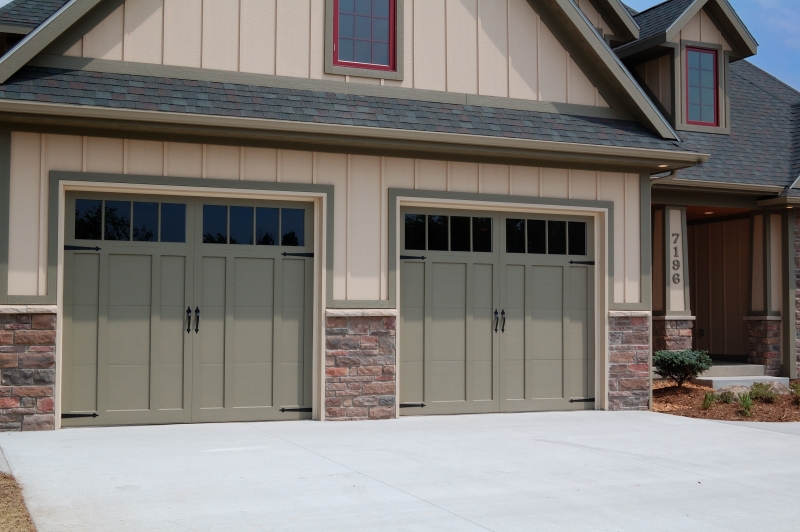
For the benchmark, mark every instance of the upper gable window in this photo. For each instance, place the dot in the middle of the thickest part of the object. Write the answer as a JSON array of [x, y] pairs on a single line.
[[364, 34], [701, 87]]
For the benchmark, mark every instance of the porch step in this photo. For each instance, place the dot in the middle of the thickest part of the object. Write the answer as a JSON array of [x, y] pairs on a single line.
[[721, 382], [735, 369]]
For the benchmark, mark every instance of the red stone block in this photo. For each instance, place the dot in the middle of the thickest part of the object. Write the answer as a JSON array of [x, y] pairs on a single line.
[[357, 412], [622, 357], [5, 391], [35, 337], [6, 338], [378, 388], [639, 322], [45, 405], [333, 402], [39, 422], [37, 360], [358, 325], [336, 372], [370, 370], [634, 384], [336, 323], [43, 322], [382, 412], [8, 360], [32, 391], [389, 370], [9, 402], [335, 412]]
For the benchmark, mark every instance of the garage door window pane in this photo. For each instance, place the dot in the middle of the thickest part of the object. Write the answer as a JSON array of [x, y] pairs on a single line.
[[482, 235], [173, 222], [242, 225], [437, 233], [293, 227], [557, 238], [215, 224], [459, 233], [515, 236], [118, 220], [415, 231], [266, 226], [145, 221], [577, 238], [88, 219], [537, 236]]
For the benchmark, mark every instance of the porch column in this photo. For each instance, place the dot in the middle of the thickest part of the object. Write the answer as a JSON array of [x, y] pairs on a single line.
[[672, 315], [764, 339]]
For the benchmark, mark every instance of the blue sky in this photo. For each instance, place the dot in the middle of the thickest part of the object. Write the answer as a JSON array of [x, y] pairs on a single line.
[[776, 26]]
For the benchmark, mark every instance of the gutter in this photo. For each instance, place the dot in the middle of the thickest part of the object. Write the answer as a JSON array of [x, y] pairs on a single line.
[[744, 187], [27, 115]]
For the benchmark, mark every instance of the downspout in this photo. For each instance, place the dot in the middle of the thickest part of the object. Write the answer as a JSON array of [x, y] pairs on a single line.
[[656, 178]]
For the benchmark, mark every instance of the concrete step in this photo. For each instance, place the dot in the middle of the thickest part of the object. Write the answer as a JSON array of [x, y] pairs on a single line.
[[721, 382], [735, 369]]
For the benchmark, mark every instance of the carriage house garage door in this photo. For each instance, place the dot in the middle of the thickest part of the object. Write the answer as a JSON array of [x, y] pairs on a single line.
[[181, 310], [498, 315]]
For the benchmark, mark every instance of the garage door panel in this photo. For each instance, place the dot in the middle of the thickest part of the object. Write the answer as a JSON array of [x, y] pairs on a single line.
[[83, 396], [449, 285], [212, 386], [173, 282], [577, 335], [482, 334], [172, 334], [575, 378], [129, 335], [411, 380], [547, 287], [171, 378], [448, 334], [450, 379], [412, 289], [130, 280], [547, 329], [84, 335], [85, 280], [252, 385], [579, 288], [252, 336], [412, 334], [483, 287], [546, 378], [292, 333], [291, 385], [212, 335], [254, 282], [482, 380], [128, 387], [213, 282], [294, 279], [514, 384]]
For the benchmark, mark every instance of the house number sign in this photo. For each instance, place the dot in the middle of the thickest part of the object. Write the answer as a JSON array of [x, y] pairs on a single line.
[[676, 261], [676, 246]]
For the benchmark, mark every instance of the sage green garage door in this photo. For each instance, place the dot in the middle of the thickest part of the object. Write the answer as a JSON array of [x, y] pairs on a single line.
[[181, 310], [496, 312]]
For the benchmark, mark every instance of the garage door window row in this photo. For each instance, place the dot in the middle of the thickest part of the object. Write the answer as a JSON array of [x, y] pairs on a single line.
[[253, 225], [448, 233], [137, 221], [545, 237]]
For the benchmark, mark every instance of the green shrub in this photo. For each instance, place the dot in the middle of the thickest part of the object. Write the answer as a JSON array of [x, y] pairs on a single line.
[[760, 391], [709, 399], [795, 387], [745, 403], [681, 366], [725, 397]]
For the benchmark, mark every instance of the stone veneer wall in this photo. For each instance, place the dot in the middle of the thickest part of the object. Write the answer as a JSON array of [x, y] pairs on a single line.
[[672, 335], [360, 367], [764, 344], [629, 360], [27, 371]]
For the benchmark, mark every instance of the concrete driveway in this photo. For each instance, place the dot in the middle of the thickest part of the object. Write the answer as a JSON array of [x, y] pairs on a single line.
[[590, 471]]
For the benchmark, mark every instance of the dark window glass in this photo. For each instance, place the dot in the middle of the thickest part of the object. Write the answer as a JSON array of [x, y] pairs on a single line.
[[145, 221], [364, 31], [701, 86], [173, 222], [118, 220], [88, 219], [293, 227], [437, 233], [415, 231], [482, 235], [242, 225], [577, 238], [459, 233], [556, 238], [266, 226], [215, 224], [515, 236], [537, 236]]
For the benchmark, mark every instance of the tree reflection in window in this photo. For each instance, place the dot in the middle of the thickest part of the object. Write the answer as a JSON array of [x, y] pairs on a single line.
[[117, 220], [88, 219]]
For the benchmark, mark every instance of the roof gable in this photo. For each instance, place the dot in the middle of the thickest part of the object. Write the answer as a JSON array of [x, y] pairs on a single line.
[[28, 14], [663, 22]]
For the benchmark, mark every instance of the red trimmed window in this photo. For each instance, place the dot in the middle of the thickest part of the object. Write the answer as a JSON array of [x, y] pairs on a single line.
[[364, 34], [702, 103]]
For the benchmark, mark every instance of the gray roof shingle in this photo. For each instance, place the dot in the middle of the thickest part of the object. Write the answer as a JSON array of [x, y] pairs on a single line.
[[29, 12], [148, 93], [658, 18], [764, 144]]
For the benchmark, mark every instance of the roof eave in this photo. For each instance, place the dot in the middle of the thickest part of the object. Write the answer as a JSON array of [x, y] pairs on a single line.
[[16, 29]]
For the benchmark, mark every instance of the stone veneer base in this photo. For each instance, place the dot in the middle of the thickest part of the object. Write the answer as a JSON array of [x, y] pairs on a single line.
[[360, 367], [764, 345], [629, 360], [27, 371], [672, 335]]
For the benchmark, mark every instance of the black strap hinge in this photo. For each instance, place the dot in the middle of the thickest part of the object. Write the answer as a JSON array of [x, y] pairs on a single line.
[[411, 257], [587, 262], [80, 248], [412, 405], [585, 400], [74, 416], [284, 409], [297, 254]]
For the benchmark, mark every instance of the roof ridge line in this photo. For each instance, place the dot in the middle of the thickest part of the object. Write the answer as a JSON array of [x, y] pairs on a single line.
[[764, 89], [651, 8]]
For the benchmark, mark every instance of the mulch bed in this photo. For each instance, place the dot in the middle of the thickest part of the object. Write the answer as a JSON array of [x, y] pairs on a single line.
[[688, 401], [14, 516]]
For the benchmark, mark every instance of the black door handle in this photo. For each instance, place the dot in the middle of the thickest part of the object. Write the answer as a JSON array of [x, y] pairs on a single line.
[[496, 320], [188, 320], [197, 320], [503, 327]]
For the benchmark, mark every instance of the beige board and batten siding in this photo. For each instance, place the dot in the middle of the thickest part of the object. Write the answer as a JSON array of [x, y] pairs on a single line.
[[657, 74], [488, 47], [702, 29], [361, 227], [719, 271]]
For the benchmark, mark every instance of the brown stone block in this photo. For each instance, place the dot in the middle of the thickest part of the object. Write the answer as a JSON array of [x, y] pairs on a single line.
[[9, 402], [5, 391], [362, 379], [45, 405], [358, 325], [354, 386], [336, 323], [369, 342], [35, 337], [8, 360], [390, 323], [43, 322], [381, 412], [333, 402], [635, 338], [32, 391], [357, 412], [348, 393], [389, 370], [622, 357], [379, 388], [639, 368], [384, 378], [335, 412], [365, 400], [6, 338], [336, 372], [342, 342], [37, 360], [634, 384], [348, 361], [639, 322], [370, 370], [387, 345]]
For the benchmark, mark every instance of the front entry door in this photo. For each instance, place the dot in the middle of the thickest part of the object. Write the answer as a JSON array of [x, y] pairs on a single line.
[[496, 313], [184, 310]]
